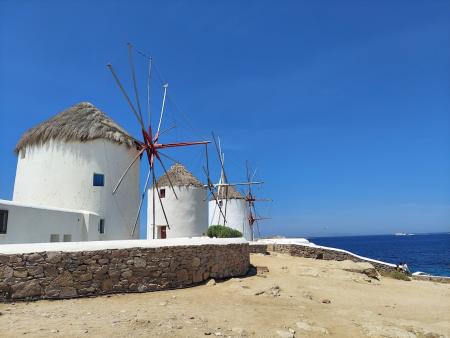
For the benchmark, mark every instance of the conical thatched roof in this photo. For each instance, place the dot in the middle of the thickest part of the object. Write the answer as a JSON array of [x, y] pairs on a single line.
[[179, 176], [232, 193], [81, 122]]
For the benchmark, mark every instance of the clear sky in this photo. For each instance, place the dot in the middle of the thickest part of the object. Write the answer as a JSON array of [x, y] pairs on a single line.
[[343, 106]]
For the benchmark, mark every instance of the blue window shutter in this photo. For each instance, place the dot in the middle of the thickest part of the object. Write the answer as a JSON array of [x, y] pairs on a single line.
[[99, 180]]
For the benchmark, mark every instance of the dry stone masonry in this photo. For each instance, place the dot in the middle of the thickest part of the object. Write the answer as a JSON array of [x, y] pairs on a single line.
[[56, 275], [299, 250]]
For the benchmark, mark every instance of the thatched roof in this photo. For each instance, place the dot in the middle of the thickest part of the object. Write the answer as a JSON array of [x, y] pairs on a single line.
[[81, 122], [179, 176], [228, 192]]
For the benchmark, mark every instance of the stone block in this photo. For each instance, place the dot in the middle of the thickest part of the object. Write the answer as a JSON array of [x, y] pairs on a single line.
[[20, 273], [107, 285], [139, 262], [86, 291], [182, 275], [64, 279], [54, 257], [4, 259], [35, 270], [6, 272], [196, 262], [127, 274], [52, 291], [26, 289], [68, 292], [34, 258], [85, 277], [198, 277], [50, 271]]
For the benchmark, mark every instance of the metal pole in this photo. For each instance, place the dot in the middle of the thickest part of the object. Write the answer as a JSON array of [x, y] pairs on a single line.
[[153, 204]]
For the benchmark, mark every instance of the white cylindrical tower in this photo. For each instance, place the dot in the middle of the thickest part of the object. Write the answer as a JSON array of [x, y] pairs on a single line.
[[234, 207], [73, 161], [187, 215]]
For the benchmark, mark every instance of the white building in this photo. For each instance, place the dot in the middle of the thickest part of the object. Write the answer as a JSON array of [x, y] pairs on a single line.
[[235, 208], [66, 170], [187, 215]]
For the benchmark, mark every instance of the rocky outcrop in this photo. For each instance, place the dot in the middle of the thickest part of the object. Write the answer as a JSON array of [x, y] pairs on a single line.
[[55, 275]]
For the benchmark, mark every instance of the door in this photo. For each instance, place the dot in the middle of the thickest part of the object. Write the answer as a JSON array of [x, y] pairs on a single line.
[[163, 232]]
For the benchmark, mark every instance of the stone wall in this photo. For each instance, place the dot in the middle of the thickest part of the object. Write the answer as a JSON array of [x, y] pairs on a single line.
[[317, 253], [437, 279], [55, 275], [258, 248]]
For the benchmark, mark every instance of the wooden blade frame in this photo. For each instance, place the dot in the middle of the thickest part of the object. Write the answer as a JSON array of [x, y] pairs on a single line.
[[150, 144]]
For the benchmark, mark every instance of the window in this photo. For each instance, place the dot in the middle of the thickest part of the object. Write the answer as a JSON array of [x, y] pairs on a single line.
[[101, 226], [220, 203], [99, 180], [22, 153], [67, 238], [54, 238], [162, 193], [3, 221]]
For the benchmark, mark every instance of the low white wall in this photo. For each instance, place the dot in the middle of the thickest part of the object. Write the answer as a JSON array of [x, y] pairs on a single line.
[[112, 245], [33, 224]]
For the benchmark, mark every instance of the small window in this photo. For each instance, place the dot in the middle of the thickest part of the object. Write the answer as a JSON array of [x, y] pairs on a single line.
[[101, 226], [99, 180], [67, 238], [54, 238], [220, 203], [3, 221], [22, 153], [162, 193]]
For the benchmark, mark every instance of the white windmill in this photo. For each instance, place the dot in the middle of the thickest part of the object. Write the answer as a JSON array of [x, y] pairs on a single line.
[[228, 206]]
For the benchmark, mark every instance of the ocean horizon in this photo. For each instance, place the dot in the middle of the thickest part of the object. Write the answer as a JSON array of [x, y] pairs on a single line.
[[426, 252]]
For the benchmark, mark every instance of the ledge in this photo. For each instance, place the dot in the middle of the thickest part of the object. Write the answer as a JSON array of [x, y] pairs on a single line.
[[10, 249]]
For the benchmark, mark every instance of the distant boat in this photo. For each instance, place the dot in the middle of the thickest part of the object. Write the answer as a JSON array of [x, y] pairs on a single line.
[[402, 234]]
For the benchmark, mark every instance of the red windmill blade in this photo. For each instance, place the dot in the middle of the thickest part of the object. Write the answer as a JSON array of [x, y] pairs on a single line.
[[149, 144]]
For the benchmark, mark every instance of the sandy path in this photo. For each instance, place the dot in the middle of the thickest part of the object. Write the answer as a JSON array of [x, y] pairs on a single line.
[[290, 296]]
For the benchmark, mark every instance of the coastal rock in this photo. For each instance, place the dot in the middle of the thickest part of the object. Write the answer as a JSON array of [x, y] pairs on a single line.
[[305, 326], [239, 330], [211, 282], [273, 291], [285, 334]]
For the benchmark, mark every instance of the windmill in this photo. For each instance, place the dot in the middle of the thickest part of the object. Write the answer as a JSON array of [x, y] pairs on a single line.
[[253, 217], [149, 144], [230, 202]]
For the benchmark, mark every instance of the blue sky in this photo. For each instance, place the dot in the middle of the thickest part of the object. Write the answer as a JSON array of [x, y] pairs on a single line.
[[343, 106]]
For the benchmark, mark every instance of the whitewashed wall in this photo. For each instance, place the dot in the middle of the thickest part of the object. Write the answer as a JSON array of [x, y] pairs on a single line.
[[33, 224], [236, 216], [60, 175], [187, 215]]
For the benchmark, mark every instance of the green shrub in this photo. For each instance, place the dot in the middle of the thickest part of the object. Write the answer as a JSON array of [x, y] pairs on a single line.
[[398, 275], [221, 231]]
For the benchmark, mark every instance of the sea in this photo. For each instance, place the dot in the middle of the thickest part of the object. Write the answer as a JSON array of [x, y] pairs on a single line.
[[429, 253]]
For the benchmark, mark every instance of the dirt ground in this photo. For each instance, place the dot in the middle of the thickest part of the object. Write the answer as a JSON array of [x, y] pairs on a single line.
[[297, 297]]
